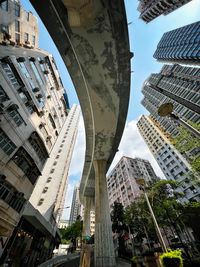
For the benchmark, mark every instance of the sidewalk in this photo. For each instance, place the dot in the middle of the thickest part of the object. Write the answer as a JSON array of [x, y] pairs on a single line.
[[123, 263]]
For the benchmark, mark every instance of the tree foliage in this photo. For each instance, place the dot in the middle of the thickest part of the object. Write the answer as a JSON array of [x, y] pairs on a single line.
[[73, 231], [188, 145], [117, 217]]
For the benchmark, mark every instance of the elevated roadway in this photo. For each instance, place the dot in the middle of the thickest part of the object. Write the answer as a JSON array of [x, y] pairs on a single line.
[[92, 38]]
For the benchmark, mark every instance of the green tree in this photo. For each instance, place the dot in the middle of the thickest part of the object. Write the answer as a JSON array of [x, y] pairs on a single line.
[[189, 146], [73, 231]]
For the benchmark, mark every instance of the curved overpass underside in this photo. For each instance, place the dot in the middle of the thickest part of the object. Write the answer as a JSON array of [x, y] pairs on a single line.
[[92, 38]]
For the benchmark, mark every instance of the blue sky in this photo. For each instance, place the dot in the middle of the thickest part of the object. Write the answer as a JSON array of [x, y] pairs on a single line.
[[143, 41]]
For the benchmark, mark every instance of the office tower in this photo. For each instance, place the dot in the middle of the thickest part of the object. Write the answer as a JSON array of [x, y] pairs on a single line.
[[122, 181], [181, 45], [172, 163], [151, 9], [178, 85], [18, 27], [49, 193], [75, 206]]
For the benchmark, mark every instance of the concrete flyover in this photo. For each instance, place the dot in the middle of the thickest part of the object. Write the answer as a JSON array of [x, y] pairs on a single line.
[[92, 38]]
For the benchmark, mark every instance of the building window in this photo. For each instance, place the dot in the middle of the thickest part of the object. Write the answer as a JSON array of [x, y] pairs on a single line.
[[17, 26], [55, 163], [17, 38], [40, 201], [33, 39], [25, 72], [52, 121], [39, 147], [35, 70], [45, 190], [4, 5], [4, 28], [14, 114], [11, 75], [3, 95], [17, 10], [6, 144], [26, 37], [52, 170], [10, 195], [49, 179], [25, 162], [27, 16]]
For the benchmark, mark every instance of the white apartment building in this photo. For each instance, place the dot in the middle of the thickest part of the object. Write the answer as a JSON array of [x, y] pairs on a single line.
[[50, 191], [17, 26], [33, 110], [171, 162], [122, 181]]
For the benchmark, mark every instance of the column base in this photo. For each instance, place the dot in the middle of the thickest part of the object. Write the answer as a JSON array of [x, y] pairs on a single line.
[[105, 262]]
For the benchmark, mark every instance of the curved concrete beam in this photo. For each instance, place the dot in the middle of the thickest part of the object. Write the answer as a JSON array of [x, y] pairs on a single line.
[[92, 38]]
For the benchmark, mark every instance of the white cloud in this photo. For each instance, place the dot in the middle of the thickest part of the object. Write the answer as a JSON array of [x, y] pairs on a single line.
[[133, 145]]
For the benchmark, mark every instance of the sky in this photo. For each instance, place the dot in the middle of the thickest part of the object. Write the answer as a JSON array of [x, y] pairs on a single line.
[[143, 41]]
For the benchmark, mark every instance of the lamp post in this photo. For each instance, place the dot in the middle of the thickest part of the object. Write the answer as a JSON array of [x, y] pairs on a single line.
[[166, 109], [141, 182]]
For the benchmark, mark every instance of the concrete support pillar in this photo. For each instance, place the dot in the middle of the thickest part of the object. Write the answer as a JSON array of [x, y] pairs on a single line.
[[104, 255], [88, 202]]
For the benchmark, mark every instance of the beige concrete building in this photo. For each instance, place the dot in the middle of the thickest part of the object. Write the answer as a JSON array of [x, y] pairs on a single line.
[[18, 27], [122, 181], [49, 193], [32, 113]]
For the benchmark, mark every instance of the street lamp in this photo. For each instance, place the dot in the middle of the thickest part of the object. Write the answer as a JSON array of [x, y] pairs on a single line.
[[141, 182], [166, 109]]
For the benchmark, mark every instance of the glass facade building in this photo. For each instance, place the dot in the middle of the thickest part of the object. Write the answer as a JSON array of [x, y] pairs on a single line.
[[151, 9], [181, 45], [176, 84]]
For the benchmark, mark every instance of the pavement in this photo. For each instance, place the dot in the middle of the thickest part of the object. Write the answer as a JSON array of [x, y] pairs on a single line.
[[75, 263], [123, 263]]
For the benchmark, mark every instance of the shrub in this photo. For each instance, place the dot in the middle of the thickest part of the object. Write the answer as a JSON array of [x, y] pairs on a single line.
[[172, 258]]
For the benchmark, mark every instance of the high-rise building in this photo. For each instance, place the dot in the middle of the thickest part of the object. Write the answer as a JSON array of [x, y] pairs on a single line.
[[49, 193], [171, 162], [77, 209], [178, 85], [18, 27], [75, 206], [33, 115], [181, 45], [151, 9], [122, 181], [31, 118]]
